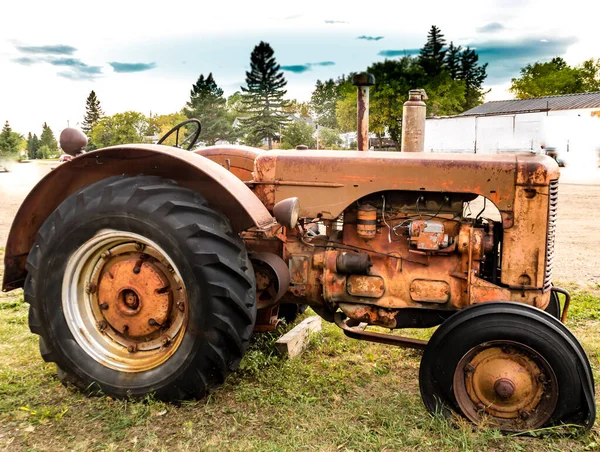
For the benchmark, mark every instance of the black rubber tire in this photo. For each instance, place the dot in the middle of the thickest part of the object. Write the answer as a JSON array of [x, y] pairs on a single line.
[[211, 259], [553, 307], [513, 322]]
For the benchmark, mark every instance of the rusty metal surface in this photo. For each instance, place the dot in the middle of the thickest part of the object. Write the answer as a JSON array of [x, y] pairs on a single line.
[[413, 122], [237, 159], [365, 286], [429, 291], [130, 299], [362, 82], [389, 339], [272, 278], [222, 190], [352, 175], [565, 311], [509, 383]]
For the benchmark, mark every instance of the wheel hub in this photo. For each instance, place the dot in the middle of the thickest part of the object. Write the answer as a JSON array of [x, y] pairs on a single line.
[[509, 383], [125, 301], [133, 299]]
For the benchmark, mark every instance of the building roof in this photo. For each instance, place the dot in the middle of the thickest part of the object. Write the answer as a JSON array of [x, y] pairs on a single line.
[[547, 103]]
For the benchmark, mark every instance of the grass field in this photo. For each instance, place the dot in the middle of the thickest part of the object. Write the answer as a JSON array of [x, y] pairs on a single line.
[[340, 395]]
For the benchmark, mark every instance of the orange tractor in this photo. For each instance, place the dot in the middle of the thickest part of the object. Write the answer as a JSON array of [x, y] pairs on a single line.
[[147, 268]]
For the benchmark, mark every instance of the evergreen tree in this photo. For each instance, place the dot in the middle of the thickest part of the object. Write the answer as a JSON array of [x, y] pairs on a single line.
[[208, 105], [323, 102], [432, 55], [263, 97], [33, 143], [473, 76], [9, 142], [93, 113], [452, 60], [47, 139]]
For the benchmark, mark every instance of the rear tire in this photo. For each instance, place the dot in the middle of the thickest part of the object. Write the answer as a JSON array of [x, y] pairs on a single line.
[[129, 337]]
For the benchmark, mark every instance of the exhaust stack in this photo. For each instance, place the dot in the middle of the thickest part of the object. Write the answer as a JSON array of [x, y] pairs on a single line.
[[413, 121], [362, 81]]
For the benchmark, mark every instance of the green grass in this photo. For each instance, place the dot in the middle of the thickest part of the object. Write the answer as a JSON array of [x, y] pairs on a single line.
[[340, 394]]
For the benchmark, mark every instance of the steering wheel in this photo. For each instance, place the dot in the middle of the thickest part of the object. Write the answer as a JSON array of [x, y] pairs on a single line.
[[192, 138]]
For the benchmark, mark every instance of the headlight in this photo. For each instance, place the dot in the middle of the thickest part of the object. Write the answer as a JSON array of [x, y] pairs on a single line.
[[286, 212]]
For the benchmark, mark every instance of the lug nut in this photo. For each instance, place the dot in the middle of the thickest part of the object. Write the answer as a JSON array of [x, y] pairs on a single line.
[[140, 246], [106, 254], [132, 348], [469, 368], [181, 305], [104, 306], [166, 340], [102, 325]]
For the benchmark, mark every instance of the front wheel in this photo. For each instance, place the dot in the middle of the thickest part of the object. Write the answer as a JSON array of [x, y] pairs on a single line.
[[136, 286], [509, 366]]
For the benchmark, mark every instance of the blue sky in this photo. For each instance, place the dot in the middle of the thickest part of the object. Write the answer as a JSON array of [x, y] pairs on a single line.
[[144, 56]]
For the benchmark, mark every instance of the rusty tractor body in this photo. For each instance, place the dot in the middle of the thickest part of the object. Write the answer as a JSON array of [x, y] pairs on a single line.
[[364, 238]]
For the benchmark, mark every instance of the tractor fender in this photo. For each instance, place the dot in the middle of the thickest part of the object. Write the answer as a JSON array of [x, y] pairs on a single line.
[[222, 189]]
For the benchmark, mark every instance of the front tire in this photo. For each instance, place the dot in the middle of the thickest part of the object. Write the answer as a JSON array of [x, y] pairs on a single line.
[[136, 286], [510, 364]]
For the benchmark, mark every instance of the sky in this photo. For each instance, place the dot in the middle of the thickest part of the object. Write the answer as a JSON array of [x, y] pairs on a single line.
[[144, 56]]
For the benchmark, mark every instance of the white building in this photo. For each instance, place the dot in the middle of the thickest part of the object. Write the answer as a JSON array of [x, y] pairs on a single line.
[[568, 124]]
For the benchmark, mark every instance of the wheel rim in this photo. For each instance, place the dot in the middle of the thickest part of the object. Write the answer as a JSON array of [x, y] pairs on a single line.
[[124, 301], [507, 383]]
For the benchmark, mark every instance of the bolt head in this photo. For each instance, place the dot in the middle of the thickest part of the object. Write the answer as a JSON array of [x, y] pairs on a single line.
[[102, 325], [103, 306], [132, 348]]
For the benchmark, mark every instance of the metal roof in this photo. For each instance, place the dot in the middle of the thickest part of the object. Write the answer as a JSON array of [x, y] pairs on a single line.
[[547, 103]]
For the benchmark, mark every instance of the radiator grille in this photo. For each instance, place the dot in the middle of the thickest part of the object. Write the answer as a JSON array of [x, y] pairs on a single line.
[[552, 206]]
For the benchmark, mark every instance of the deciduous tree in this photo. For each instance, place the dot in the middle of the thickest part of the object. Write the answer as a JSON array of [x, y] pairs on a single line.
[[263, 96], [323, 101], [121, 128], [556, 77], [297, 133]]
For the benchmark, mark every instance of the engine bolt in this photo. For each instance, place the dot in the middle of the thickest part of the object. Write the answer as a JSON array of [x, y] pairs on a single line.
[[104, 306], [181, 305], [132, 348], [102, 325], [90, 288]]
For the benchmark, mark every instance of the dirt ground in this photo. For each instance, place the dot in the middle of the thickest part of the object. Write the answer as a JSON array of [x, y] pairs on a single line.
[[577, 240]]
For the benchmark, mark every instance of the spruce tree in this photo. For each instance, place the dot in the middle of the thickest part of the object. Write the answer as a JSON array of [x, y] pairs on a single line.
[[93, 113], [208, 105], [432, 54], [452, 60], [9, 142], [47, 139], [263, 97], [473, 76]]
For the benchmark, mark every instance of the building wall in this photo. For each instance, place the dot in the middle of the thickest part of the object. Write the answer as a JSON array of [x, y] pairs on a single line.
[[510, 133]]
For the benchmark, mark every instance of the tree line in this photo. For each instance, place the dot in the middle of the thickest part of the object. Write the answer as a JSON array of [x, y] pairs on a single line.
[[260, 115]]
